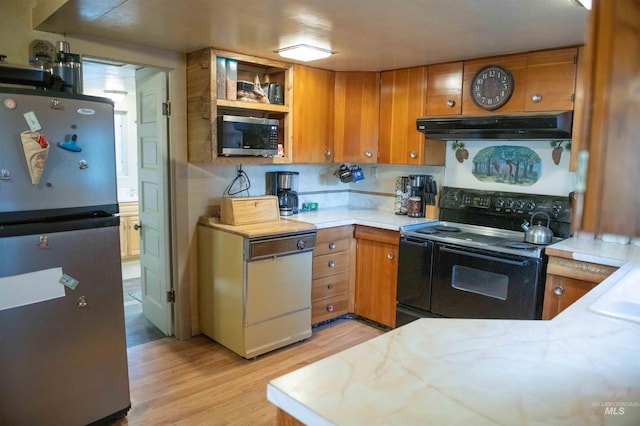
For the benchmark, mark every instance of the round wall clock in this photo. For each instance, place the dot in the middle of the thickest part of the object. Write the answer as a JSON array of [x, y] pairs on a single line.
[[491, 87]]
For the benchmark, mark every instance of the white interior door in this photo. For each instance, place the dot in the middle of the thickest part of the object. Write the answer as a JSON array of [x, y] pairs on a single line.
[[153, 199]]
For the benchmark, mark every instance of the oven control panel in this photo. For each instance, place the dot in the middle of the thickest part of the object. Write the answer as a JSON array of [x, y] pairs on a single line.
[[508, 204]]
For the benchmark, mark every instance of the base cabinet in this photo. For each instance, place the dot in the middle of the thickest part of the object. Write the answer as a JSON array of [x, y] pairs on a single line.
[[567, 281], [332, 276], [129, 231], [376, 274]]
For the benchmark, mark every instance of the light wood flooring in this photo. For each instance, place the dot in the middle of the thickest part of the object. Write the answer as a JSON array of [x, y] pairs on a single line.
[[199, 382]]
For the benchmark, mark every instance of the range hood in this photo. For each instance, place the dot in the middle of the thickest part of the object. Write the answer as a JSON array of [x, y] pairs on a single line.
[[522, 127]]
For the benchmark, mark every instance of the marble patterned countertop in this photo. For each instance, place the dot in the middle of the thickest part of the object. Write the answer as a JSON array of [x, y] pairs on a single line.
[[579, 368], [339, 216]]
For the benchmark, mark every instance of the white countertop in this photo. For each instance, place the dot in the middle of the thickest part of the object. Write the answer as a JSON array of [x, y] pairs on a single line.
[[327, 218], [474, 372], [598, 251]]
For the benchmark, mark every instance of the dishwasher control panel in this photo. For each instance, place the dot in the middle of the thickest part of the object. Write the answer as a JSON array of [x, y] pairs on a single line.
[[279, 245]]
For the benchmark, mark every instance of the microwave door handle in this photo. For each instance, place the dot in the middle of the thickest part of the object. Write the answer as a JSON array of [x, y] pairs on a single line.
[[485, 257]]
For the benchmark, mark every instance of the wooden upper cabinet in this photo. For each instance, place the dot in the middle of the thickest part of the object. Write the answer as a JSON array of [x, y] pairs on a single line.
[[551, 77], [357, 100], [444, 89], [515, 64], [612, 199], [313, 114], [401, 102]]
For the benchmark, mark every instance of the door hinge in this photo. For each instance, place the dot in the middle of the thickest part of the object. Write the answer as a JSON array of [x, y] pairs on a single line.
[[573, 97], [166, 108], [171, 296]]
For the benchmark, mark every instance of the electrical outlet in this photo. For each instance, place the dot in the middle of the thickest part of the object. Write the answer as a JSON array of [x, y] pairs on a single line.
[[374, 172]]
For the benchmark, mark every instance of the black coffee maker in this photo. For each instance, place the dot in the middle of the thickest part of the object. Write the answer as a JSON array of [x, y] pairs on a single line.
[[284, 185]]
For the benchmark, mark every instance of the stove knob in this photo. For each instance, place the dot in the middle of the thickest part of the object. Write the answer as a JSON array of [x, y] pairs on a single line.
[[557, 208], [454, 197], [519, 205], [531, 205], [510, 204], [499, 203]]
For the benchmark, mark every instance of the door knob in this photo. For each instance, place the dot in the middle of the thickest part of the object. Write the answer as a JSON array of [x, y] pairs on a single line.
[[137, 226]]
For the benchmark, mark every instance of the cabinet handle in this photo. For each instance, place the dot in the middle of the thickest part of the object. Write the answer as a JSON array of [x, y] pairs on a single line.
[[451, 103], [368, 154], [390, 255], [330, 286], [559, 291], [331, 264], [137, 227], [536, 97], [413, 154], [330, 308], [332, 245], [327, 153]]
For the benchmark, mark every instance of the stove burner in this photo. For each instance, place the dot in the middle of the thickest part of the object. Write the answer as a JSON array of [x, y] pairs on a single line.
[[446, 228]]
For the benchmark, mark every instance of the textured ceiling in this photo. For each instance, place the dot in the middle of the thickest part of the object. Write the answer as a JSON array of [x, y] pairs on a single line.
[[368, 35]]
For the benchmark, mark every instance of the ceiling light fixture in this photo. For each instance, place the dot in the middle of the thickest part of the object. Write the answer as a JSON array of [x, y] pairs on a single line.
[[115, 95], [304, 52]]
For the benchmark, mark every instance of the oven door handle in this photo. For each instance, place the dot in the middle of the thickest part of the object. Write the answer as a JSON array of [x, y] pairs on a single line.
[[414, 241], [485, 257]]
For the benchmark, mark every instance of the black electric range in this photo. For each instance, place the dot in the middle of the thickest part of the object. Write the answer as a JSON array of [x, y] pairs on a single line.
[[474, 262]]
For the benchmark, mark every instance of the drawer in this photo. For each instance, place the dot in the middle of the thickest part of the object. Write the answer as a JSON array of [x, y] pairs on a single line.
[[329, 286], [331, 307], [330, 264], [332, 246], [335, 233]]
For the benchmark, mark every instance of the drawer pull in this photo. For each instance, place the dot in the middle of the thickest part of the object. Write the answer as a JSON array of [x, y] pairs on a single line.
[[536, 97], [330, 308], [330, 286], [451, 103], [332, 245], [559, 291], [331, 264]]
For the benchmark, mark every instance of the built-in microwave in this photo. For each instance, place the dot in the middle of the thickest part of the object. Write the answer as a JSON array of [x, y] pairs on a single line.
[[247, 136]]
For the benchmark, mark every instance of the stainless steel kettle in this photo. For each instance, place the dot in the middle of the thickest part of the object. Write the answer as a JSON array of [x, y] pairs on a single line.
[[537, 234]]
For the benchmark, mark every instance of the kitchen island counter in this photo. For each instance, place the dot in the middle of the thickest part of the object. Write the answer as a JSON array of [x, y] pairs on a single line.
[[579, 368]]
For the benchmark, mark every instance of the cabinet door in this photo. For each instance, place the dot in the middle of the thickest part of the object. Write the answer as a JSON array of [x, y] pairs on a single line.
[[133, 233], [551, 76], [561, 292], [123, 237], [376, 278], [516, 64], [357, 98], [313, 114], [612, 199], [444, 89], [401, 102]]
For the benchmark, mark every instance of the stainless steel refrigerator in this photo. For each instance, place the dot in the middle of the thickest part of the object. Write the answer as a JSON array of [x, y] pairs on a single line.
[[63, 357]]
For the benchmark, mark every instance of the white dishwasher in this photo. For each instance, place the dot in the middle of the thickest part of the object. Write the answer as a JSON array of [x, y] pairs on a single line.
[[255, 293]]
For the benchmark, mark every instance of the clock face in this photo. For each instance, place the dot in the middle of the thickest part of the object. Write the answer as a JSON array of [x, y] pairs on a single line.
[[491, 87]]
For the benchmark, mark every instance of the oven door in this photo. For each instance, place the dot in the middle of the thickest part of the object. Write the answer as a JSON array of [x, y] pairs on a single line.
[[471, 283]]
